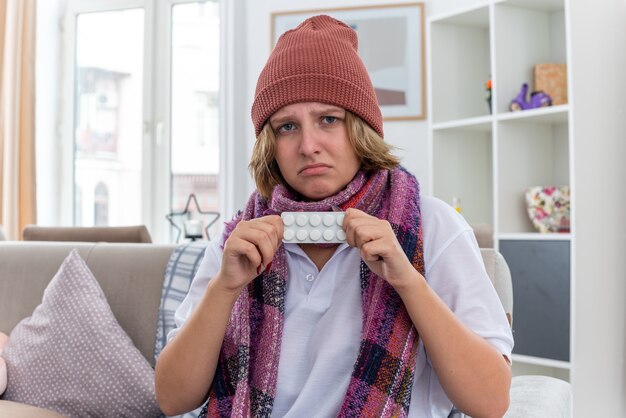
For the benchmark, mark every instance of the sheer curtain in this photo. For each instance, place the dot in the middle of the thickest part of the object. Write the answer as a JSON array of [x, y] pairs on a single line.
[[17, 116]]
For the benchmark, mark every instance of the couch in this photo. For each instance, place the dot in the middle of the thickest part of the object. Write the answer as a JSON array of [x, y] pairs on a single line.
[[132, 277]]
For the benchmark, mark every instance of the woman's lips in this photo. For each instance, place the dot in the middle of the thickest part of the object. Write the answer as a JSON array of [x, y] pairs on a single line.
[[314, 169]]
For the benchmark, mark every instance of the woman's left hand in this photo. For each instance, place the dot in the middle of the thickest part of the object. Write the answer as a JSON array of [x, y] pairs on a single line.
[[379, 247], [472, 362]]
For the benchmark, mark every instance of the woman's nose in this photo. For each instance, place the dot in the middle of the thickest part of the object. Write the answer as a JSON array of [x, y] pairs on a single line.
[[309, 141]]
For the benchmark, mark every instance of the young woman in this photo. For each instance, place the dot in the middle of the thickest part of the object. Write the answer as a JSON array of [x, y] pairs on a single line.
[[401, 320]]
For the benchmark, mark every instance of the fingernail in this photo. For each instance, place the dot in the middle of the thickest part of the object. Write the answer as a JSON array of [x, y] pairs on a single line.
[[260, 269]]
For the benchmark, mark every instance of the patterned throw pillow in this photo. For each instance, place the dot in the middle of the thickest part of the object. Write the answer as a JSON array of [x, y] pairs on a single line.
[[71, 355], [180, 271]]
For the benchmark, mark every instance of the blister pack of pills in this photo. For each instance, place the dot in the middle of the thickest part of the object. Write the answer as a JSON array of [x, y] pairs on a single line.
[[313, 227]]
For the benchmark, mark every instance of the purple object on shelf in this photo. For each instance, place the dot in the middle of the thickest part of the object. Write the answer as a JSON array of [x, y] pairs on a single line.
[[522, 102]]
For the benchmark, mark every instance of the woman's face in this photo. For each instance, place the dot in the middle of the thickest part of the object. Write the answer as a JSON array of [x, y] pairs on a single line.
[[313, 152]]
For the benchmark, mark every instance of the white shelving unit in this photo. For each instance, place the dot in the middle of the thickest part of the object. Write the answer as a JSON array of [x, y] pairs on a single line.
[[488, 158]]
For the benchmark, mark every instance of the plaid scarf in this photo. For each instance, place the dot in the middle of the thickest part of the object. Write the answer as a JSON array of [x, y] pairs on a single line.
[[245, 379]]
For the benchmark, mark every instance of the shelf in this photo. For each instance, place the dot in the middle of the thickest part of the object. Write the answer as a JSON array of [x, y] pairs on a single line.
[[462, 168], [545, 115], [489, 156], [549, 115], [530, 153], [539, 5], [565, 365], [477, 124], [460, 65], [526, 33], [477, 17], [534, 236]]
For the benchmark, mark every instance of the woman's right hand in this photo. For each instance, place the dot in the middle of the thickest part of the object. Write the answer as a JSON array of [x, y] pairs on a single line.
[[248, 250], [187, 364]]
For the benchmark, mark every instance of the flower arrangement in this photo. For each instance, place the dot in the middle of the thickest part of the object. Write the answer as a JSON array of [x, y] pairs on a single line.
[[549, 208]]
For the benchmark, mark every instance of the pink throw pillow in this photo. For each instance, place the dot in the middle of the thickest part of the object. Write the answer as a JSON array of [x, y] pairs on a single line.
[[71, 355]]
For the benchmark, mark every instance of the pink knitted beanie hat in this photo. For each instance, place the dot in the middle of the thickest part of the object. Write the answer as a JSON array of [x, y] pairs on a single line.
[[316, 62]]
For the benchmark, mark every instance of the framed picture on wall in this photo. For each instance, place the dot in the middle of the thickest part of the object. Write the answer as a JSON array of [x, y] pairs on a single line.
[[391, 45]]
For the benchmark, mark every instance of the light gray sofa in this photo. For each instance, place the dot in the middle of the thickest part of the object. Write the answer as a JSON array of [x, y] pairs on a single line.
[[131, 276]]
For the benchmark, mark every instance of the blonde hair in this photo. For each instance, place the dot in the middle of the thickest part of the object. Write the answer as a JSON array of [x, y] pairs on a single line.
[[373, 152]]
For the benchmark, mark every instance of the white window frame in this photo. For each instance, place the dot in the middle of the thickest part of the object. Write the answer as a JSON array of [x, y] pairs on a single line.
[[156, 140], [73, 9]]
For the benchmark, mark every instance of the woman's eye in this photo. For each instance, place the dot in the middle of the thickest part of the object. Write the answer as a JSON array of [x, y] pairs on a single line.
[[287, 127], [329, 120]]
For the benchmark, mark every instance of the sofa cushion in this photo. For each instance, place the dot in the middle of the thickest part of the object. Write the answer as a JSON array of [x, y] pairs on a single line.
[[71, 355]]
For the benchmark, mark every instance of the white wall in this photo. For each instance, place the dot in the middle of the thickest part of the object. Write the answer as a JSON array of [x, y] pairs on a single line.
[[47, 80], [444, 7], [411, 137], [598, 66]]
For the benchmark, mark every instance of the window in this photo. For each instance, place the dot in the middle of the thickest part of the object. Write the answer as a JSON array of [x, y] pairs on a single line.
[[78, 203], [101, 205], [195, 105], [145, 113], [108, 120]]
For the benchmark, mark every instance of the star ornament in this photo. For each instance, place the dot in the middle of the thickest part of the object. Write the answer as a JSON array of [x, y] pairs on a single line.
[[186, 222]]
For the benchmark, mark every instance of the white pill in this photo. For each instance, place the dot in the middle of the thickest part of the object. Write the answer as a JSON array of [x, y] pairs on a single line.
[[315, 234], [313, 227], [315, 220], [302, 219]]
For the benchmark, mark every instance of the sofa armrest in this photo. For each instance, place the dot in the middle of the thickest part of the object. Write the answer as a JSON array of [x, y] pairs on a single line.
[[538, 397], [483, 234]]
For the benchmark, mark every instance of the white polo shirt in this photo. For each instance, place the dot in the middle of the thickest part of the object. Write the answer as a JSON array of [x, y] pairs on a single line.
[[323, 316]]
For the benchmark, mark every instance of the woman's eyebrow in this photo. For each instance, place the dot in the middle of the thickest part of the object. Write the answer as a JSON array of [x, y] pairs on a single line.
[[281, 119], [328, 110]]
